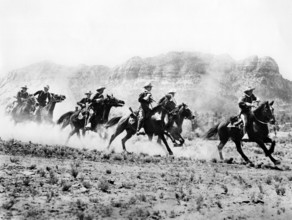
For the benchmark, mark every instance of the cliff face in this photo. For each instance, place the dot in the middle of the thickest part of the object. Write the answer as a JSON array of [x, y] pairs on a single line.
[[204, 81]]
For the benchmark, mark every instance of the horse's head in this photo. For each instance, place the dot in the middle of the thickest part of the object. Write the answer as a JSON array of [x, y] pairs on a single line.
[[110, 100], [31, 100], [57, 98], [265, 111], [185, 112]]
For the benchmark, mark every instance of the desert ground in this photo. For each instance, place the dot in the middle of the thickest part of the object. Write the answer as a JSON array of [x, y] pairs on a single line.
[[40, 181]]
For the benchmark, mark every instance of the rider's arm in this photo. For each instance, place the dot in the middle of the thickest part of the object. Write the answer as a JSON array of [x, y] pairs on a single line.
[[141, 97], [254, 98], [243, 104], [81, 102], [37, 93], [18, 97], [49, 97]]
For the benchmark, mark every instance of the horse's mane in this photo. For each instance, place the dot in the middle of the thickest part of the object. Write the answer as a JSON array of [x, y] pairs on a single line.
[[260, 106]]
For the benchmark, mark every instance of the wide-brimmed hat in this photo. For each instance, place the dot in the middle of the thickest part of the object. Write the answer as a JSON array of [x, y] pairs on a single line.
[[147, 85], [47, 87], [248, 89], [24, 87], [100, 89], [88, 93], [171, 92]]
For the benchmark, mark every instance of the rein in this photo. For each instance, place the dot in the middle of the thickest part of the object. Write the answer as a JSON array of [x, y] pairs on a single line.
[[262, 122]]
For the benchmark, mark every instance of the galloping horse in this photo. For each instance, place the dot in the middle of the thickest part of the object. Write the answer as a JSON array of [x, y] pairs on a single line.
[[152, 126], [24, 111], [98, 117], [258, 132], [46, 113], [101, 112], [176, 119]]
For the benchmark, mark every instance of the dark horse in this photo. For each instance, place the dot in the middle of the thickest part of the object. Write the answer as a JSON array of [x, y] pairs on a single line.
[[153, 125], [258, 132], [98, 117], [46, 113], [24, 111], [101, 112], [176, 119]]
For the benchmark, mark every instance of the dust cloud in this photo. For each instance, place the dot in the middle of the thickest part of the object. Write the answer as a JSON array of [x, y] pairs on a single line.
[[48, 134]]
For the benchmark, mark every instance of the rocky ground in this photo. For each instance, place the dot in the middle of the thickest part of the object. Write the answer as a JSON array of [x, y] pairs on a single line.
[[58, 182]]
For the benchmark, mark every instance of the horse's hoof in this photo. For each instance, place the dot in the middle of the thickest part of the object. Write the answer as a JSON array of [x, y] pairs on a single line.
[[228, 161], [250, 164], [126, 152], [277, 162]]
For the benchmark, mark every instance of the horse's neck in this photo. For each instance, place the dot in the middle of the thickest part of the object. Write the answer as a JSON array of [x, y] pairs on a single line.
[[179, 121], [51, 107], [106, 112], [259, 120]]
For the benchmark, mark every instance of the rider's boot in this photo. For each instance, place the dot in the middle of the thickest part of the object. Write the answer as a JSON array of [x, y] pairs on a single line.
[[139, 126], [245, 136], [88, 126]]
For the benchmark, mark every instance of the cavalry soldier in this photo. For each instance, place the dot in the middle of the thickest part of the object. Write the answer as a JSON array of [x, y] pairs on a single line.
[[98, 97], [245, 104], [22, 95], [168, 102], [43, 96], [145, 99], [169, 97], [84, 104]]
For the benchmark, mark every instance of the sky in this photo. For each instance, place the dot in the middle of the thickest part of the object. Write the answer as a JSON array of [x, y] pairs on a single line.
[[109, 32]]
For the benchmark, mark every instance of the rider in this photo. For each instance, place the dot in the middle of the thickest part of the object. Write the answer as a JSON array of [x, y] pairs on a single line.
[[145, 98], [84, 104], [43, 96], [169, 97], [168, 101], [21, 96], [98, 100], [245, 104], [98, 97]]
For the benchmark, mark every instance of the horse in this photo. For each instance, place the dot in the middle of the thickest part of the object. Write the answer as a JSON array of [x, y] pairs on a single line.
[[24, 111], [46, 113], [97, 118], [101, 112], [152, 126], [258, 132], [176, 119]]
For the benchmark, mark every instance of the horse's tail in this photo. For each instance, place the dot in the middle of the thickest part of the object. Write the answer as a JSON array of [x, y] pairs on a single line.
[[212, 132], [64, 117], [113, 122]]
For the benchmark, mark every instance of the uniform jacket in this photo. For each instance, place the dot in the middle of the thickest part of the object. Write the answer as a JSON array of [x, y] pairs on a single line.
[[21, 95], [42, 97], [98, 97], [145, 104], [246, 99], [83, 102]]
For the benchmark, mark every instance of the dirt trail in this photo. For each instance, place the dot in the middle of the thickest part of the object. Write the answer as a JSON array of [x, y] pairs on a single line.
[[58, 182]]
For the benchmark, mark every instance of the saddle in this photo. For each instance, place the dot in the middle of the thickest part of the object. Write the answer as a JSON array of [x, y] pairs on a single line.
[[235, 121]]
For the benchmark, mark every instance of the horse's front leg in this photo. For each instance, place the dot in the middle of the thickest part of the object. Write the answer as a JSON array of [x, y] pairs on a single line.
[[273, 144], [267, 153], [170, 136], [150, 137], [166, 144], [127, 137]]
